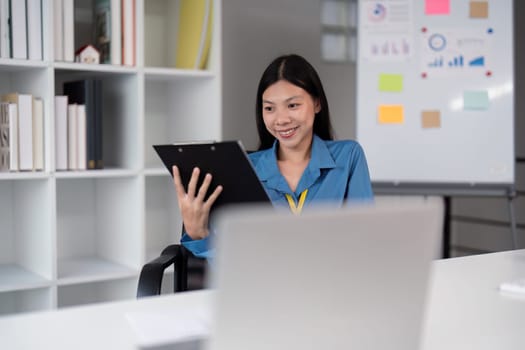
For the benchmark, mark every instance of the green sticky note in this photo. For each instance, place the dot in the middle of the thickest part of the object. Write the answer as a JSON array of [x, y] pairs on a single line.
[[476, 100], [391, 82]]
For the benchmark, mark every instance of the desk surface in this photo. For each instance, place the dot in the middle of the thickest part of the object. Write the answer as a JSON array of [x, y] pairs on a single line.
[[465, 311]]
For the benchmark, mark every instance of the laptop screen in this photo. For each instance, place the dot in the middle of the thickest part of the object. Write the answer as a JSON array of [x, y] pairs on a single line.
[[353, 278]]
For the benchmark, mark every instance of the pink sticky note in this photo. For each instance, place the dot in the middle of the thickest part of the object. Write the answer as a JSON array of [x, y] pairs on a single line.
[[437, 7]]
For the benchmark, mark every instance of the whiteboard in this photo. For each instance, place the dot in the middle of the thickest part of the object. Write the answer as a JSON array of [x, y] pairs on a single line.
[[435, 91]]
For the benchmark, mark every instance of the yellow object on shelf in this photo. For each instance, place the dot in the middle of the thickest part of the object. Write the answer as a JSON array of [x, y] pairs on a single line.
[[194, 33]]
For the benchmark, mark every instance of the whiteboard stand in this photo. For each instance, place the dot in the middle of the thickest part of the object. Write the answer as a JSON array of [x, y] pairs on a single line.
[[447, 231], [453, 190], [512, 217]]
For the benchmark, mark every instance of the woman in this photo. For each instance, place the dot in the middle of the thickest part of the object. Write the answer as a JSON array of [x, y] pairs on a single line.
[[298, 161]]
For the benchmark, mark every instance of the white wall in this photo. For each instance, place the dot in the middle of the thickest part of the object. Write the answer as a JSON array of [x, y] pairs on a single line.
[[257, 31]]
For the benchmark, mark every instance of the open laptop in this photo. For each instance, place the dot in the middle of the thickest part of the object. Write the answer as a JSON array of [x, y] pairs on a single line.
[[352, 278]]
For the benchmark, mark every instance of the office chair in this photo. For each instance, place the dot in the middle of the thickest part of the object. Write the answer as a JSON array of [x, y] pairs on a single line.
[[189, 271]]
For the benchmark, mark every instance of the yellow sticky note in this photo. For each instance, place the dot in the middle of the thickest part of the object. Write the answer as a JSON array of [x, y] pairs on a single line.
[[391, 82], [391, 114], [479, 9], [430, 119]]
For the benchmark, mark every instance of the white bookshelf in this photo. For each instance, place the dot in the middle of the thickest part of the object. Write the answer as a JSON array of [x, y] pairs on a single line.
[[79, 237]]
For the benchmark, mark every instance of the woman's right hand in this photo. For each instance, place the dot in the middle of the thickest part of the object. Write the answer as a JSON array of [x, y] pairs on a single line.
[[194, 209]]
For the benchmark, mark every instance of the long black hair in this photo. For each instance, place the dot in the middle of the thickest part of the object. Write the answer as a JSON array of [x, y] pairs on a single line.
[[297, 71]]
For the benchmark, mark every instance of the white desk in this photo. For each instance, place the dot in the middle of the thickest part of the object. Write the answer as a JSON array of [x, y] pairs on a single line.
[[466, 311]]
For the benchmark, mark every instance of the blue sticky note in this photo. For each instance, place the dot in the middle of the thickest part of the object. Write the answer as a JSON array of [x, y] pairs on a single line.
[[476, 100]]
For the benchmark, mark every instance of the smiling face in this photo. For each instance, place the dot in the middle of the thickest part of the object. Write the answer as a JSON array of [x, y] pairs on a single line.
[[289, 114]]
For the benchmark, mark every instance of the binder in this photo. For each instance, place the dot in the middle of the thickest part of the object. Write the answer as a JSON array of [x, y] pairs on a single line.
[[226, 161]]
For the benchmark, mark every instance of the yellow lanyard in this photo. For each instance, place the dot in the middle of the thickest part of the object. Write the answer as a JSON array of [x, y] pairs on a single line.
[[296, 209]]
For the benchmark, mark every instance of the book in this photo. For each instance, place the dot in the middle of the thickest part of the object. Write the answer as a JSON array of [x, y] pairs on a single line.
[[116, 33], [194, 33], [8, 137], [89, 93], [24, 104], [34, 29], [81, 137], [68, 29], [108, 37], [128, 32], [58, 30], [103, 25], [97, 101], [38, 134], [72, 137], [5, 46], [61, 102], [4, 137], [25, 131], [12, 111], [205, 44], [18, 29]]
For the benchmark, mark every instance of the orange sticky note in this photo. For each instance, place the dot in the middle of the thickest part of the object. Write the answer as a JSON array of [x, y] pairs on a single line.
[[430, 119], [479, 9], [391, 114]]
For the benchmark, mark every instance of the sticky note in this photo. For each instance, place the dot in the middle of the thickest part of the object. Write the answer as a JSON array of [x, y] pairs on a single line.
[[391, 114], [430, 119], [391, 82], [477, 100], [437, 7], [479, 9]]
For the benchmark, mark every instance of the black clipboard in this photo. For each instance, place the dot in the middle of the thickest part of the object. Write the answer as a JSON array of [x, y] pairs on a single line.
[[226, 161]]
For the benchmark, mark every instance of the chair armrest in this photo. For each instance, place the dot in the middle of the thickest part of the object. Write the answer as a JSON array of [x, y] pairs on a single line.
[[150, 280], [189, 271]]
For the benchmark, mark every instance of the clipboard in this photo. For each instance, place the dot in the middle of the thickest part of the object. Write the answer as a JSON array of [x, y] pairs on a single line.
[[226, 161]]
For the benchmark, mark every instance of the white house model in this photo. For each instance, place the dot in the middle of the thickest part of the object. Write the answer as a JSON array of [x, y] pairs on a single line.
[[87, 54]]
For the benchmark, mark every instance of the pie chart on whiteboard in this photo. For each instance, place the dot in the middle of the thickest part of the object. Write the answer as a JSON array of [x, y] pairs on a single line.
[[376, 12]]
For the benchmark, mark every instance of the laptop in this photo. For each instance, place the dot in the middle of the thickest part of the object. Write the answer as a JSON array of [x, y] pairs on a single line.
[[351, 278]]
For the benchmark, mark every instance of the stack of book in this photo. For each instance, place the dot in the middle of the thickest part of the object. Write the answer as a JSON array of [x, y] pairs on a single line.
[[78, 126], [21, 132], [21, 29]]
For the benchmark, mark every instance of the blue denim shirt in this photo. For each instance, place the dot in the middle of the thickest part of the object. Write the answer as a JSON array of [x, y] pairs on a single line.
[[336, 174]]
